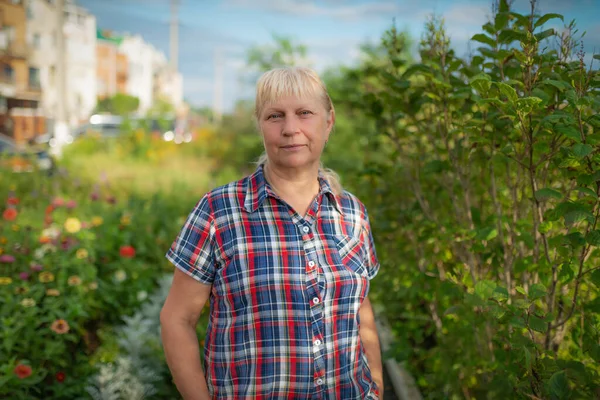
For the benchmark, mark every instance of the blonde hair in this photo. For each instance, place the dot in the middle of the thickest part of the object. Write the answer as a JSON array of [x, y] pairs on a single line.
[[300, 82]]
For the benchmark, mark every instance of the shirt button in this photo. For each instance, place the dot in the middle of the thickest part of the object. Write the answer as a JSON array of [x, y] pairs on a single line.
[[306, 229], [317, 342], [319, 381], [315, 300], [311, 264]]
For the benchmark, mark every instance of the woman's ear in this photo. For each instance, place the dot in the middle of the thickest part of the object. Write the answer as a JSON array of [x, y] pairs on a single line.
[[330, 122]]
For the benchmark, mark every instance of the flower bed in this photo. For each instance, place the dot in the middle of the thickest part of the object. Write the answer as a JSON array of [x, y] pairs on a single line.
[[74, 261]]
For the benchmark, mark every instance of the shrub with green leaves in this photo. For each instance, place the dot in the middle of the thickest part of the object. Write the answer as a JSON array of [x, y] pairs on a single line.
[[483, 190]]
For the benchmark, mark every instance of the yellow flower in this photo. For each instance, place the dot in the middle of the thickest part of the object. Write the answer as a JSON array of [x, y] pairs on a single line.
[[12, 187], [81, 254], [46, 277], [125, 220], [74, 280], [3, 240], [1, 251], [16, 228], [21, 290], [97, 221], [93, 285], [52, 292], [72, 225], [28, 302], [4, 280]]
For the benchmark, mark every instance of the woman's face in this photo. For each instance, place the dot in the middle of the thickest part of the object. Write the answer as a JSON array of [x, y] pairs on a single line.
[[295, 131]]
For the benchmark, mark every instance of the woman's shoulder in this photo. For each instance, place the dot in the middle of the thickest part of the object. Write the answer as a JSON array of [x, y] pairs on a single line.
[[226, 192], [351, 204]]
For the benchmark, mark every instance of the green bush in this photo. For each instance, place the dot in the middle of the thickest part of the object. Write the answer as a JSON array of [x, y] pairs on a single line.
[[483, 186]]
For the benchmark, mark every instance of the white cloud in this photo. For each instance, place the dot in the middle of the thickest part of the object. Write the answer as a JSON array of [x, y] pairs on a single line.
[[311, 9]]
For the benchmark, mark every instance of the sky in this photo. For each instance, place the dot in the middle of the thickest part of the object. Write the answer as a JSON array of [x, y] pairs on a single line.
[[332, 30]]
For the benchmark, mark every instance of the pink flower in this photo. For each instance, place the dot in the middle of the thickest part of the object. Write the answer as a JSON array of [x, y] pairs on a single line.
[[7, 259], [36, 267], [24, 276], [71, 204], [58, 202], [94, 196]]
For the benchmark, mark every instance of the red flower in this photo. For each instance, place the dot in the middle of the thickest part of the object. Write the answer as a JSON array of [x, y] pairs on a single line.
[[127, 252], [23, 371], [13, 201], [49, 209], [10, 214], [60, 376]]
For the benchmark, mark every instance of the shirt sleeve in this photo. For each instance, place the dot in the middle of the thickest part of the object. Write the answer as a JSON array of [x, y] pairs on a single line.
[[371, 254], [193, 249]]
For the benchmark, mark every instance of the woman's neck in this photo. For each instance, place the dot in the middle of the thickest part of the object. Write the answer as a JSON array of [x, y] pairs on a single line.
[[293, 186]]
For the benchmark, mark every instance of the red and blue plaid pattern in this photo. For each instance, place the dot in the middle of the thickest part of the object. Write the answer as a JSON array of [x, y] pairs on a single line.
[[286, 291]]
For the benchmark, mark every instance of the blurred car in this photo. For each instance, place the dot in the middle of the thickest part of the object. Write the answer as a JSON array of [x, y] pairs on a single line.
[[24, 158]]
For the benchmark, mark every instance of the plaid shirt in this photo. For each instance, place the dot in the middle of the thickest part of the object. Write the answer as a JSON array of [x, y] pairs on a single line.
[[286, 291]]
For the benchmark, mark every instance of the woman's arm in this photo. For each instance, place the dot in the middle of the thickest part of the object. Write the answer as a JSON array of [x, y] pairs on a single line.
[[178, 320], [370, 341]]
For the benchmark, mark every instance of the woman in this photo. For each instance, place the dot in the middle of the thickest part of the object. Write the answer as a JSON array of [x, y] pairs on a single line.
[[285, 258]]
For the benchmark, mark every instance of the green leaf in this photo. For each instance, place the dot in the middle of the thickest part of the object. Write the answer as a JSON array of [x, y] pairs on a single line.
[[500, 293], [508, 36], [526, 105], [569, 131], [545, 18], [520, 290], [595, 277], [593, 237], [527, 359], [501, 20], [485, 39], [581, 150], [558, 385], [587, 191], [508, 91], [487, 233], [537, 291], [575, 239], [567, 272], [413, 69], [481, 83], [537, 324], [597, 56], [545, 34], [574, 216], [560, 85], [547, 193], [545, 227], [485, 288]]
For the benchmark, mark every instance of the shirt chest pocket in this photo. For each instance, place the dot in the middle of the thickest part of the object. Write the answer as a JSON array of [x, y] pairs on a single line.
[[349, 252]]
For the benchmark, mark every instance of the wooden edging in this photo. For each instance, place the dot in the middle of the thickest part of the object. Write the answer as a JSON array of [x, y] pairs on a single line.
[[402, 381]]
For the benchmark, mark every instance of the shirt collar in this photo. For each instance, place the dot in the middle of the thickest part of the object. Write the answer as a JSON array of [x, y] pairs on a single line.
[[258, 189]]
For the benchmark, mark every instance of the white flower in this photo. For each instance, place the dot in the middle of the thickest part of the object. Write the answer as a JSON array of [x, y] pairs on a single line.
[[142, 295], [52, 232], [120, 275]]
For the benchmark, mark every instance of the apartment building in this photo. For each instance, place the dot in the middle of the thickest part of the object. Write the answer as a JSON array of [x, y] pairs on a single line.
[[20, 89]]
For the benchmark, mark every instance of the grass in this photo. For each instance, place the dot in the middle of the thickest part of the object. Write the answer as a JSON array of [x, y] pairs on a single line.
[[178, 174]]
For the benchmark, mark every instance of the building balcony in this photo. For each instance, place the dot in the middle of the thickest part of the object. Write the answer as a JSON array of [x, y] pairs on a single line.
[[12, 50]]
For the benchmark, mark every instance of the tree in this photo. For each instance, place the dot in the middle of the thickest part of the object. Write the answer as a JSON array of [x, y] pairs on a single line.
[[119, 104]]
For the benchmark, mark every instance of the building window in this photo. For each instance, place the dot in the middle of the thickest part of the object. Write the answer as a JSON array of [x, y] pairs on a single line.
[[36, 40], [30, 14], [34, 78], [7, 74]]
